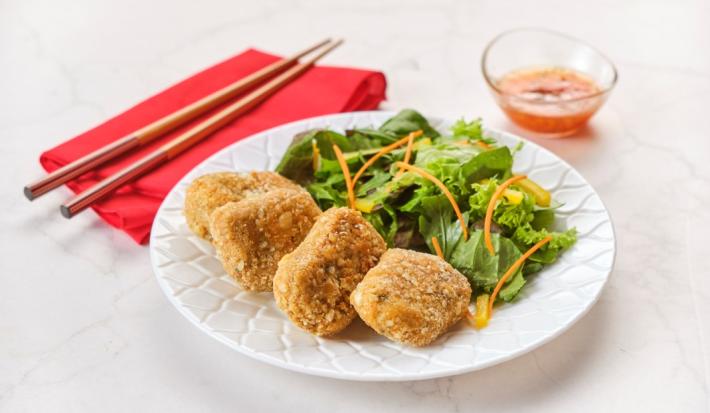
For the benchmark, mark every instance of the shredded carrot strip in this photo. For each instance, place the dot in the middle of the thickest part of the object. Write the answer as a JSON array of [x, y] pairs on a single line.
[[492, 207], [384, 151], [483, 144], [437, 247], [443, 188], [316, 154], [513, 268], [346, 173], [407, 154]]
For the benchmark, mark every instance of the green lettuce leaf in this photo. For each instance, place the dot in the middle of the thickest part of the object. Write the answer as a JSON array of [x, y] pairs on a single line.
[[444, 153], [472, 131], [526, 236], [444, 162], [329, 193], [511, 216], [507, 215], [482, 194]]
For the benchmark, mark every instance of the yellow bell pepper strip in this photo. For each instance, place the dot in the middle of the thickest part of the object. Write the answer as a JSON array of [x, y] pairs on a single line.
[[542, 197], [480, 319], [491, 207]]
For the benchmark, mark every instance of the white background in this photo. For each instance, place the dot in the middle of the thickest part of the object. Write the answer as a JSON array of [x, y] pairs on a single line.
[[84, 327]]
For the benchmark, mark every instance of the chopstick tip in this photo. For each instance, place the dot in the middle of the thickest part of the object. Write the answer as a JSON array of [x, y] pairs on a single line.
[[66, 213], [28, 193]]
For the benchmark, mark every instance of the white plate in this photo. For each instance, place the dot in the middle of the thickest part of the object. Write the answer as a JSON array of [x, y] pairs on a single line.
[[553, 300]]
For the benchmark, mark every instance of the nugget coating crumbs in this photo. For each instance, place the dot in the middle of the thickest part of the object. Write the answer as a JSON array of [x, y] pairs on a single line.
[[314, 282], [208, 192], [411, 297], [252, 235]]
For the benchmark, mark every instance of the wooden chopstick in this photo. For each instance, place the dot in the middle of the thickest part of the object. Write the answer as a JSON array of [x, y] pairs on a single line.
[[160, 126], [189, 138]]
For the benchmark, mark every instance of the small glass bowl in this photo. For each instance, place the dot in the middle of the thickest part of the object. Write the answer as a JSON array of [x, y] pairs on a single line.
[[531, 49]]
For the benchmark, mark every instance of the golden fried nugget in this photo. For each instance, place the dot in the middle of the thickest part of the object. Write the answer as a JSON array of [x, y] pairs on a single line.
[[208, 192], [252, 235], [314, 282], [411, 297]]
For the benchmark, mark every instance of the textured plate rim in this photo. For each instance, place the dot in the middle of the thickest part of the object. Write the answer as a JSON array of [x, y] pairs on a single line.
[[358, 377]]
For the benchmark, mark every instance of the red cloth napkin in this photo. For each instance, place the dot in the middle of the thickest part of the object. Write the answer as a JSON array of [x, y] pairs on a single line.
[[319, 91]]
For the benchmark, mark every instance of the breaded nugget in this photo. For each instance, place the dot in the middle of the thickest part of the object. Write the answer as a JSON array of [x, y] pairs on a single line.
[[252, 235], [313, 283], [210, 191], [411, 297]]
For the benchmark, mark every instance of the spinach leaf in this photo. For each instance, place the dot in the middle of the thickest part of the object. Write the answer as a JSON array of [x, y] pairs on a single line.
[[472, 259], [297, 162], [407, 121], [395, 128], [325, 139], [543, 219], [414, 203], [377, 137], [495, 162], [512, 287], [377, 181], [385, 222], [438, 219]]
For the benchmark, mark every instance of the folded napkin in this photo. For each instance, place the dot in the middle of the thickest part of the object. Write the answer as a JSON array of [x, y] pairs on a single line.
[[319, 91]]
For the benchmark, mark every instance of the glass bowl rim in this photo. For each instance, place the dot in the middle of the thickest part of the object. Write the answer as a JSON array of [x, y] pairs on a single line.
[[493, 41]]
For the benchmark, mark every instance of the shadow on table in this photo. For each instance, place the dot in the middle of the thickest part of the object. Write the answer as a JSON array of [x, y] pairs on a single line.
[[528, 379], [81, 232], [586, 145], [219, 374]]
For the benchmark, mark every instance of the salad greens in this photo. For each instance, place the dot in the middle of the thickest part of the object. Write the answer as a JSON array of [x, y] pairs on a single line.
[[408, 210]]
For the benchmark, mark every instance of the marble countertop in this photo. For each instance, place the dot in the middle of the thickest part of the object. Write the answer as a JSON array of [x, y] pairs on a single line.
[[84, 326]]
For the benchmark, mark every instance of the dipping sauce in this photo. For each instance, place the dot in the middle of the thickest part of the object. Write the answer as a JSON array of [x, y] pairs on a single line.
[[553, 101]]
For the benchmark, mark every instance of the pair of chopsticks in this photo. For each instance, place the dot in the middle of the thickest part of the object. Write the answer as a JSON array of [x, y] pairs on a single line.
[[280, 74]]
